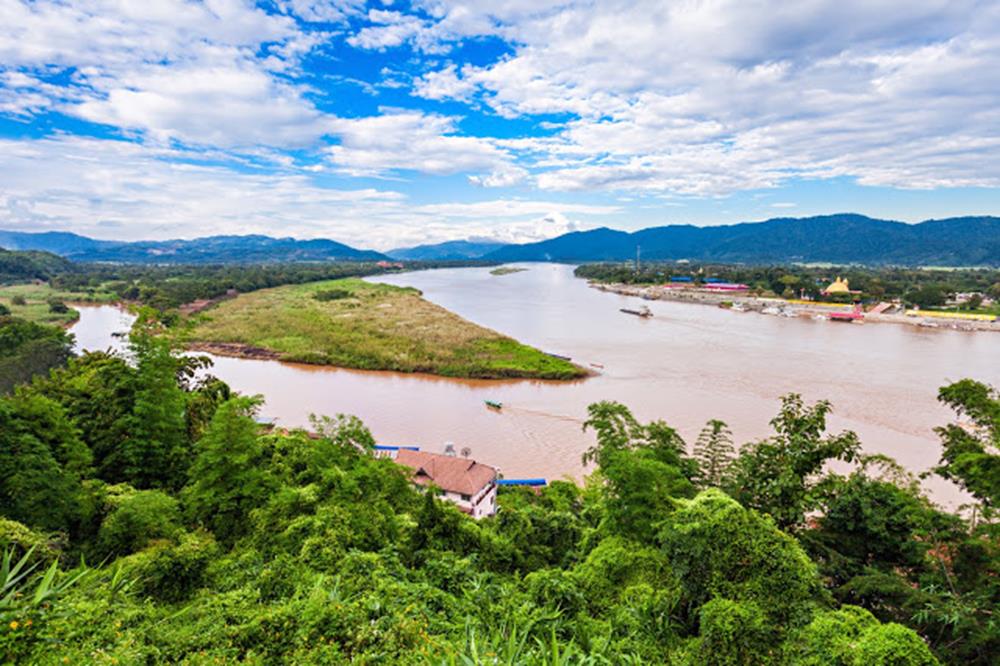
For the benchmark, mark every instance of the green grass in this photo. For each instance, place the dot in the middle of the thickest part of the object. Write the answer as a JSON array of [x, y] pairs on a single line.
[[376, 327], [37, 296]]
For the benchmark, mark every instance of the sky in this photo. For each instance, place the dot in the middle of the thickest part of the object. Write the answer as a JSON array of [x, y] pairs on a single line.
[[389, 124]]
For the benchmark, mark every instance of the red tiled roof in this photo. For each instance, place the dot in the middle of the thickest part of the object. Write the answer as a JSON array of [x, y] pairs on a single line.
[[457, 475]]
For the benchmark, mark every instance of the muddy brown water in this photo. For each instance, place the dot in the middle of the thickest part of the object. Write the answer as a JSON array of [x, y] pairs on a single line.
[[685, 365]]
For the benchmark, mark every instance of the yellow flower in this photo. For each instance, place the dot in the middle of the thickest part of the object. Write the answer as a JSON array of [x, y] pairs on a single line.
[[14, 625]]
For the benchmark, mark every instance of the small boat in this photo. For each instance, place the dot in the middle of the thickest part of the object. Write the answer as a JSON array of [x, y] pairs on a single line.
[[494, 404], [643, 312], [559, 356], [597, 365]]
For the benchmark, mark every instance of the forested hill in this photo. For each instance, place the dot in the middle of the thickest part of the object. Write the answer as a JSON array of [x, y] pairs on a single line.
[[21, 266], [842, 238], [212, 249]]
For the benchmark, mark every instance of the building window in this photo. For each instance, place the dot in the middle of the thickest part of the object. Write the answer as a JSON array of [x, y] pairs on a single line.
[[466, 498]]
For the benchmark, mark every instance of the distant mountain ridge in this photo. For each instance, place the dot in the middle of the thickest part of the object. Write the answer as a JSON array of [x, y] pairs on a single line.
[[840, 238], [210, 249], [844, 238], [459, 250]]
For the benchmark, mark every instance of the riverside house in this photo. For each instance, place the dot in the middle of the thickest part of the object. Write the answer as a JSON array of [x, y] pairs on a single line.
[[470, 485]]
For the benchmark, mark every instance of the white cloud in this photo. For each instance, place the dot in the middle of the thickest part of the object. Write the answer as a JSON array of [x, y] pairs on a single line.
[[711, 97], [410, 141], [125, 190], [197, 72]]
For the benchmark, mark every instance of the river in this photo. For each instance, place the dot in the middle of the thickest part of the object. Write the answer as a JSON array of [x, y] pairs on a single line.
[[687, 364]]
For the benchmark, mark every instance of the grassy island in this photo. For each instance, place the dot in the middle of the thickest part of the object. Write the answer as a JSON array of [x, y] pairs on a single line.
[[355, 324], [506, 270]]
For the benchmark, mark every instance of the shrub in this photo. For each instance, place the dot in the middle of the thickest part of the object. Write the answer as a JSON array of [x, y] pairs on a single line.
[[331, 294], [138, 518], [58, 307], [18, 300]]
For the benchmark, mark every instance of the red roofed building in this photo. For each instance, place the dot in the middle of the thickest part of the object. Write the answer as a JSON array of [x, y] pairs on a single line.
[[470, 485]]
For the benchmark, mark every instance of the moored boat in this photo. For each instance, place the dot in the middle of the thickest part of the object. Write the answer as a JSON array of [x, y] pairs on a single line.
[[643, 312], [494, 404]]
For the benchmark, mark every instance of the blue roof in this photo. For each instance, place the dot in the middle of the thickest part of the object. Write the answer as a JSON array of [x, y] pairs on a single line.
[[521, 482], [681, 278], [385, 447]]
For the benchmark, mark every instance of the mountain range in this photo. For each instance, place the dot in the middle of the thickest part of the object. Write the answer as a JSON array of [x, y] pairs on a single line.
[[844, 238], [460, 250], [211, 249]]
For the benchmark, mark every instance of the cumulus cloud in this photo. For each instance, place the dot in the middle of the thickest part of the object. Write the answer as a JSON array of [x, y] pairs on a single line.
[[121, 189], [715, 96], [409, 141], [196, 72]]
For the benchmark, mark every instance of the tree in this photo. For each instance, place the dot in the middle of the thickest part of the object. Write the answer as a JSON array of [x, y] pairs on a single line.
[[714, 451], [778, 475], [34, 489], [157, 454], [643, 468], [28, 349], [971, 451], [226, 480]]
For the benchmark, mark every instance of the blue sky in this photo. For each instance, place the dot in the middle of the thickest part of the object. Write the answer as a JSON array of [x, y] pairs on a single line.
[[386, 124]]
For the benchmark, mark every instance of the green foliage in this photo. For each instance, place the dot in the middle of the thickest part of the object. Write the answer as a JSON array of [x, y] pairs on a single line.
[[971, 452], [58, 307], [851, 636], [734, 633], [135, 519], [643, 467], [717, 548], [331, 294], [157, 453], [303, 547], [714, 451], [34, 489], [778, 475], [172, 573], [28, 349], [226, 481]]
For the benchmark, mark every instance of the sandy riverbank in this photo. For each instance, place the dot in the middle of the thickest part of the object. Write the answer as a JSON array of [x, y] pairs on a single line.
[[742, 302]]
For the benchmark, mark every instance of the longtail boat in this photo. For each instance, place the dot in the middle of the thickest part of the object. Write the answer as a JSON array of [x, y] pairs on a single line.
[[493, 404]]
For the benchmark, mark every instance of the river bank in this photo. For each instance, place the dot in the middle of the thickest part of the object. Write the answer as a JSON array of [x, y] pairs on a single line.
[[351, 323], [741, 302]]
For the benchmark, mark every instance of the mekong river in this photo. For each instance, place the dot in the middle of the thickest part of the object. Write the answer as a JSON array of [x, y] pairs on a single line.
[[687, 364]]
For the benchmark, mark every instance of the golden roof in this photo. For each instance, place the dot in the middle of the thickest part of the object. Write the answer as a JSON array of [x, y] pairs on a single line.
[[838, 286]]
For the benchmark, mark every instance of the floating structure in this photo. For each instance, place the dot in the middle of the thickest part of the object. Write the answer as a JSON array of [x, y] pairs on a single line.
[[847, 317], [643, 312], [469, 485]]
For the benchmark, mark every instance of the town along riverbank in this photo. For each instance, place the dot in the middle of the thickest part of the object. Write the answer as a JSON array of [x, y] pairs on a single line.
[[351, 323], [744, 302]]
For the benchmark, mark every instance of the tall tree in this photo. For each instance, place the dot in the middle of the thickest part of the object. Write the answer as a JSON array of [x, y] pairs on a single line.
[[971, 450], [157, 454], [779, 474], [714, 451], [226, 479]]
